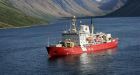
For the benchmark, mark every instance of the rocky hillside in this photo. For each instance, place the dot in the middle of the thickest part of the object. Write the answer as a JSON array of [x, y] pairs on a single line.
[[16, 13], [66, 8]]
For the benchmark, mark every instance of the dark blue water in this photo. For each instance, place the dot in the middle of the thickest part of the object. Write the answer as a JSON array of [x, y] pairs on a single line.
[[22, 51]]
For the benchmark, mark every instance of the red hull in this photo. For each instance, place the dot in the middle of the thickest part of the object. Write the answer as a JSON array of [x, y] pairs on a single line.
[[62, 51]]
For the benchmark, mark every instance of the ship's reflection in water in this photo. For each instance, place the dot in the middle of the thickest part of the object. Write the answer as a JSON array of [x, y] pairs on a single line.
[[86, 63], [98, 62], [88, 57]]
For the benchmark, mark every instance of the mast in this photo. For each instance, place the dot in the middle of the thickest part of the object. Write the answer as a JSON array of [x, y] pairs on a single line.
[[92, 26], [73, 26]]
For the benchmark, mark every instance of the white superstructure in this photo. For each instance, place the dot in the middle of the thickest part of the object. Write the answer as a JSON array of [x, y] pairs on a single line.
[[84, 36], [78, 37]]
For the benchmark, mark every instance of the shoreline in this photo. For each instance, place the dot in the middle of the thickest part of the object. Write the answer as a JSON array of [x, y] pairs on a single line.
[[34, 25], [24, 26]]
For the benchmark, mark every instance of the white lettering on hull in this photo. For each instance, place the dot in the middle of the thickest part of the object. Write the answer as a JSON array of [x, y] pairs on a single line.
[[83, 48]]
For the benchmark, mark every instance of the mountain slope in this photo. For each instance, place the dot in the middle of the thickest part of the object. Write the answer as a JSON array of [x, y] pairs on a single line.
[[11, 17], [130, 9], [67, 8], [16, 13]]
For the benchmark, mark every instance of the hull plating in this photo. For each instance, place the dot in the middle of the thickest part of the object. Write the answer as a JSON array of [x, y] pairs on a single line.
[[62, 51]]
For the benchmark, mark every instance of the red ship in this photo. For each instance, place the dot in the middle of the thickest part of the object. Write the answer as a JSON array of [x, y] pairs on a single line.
[[80, 41]]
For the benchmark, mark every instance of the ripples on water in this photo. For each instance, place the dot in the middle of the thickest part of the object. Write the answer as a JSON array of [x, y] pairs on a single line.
[[22, 51]]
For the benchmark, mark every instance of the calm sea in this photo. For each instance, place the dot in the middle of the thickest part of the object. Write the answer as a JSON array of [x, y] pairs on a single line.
[[22, 51]]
